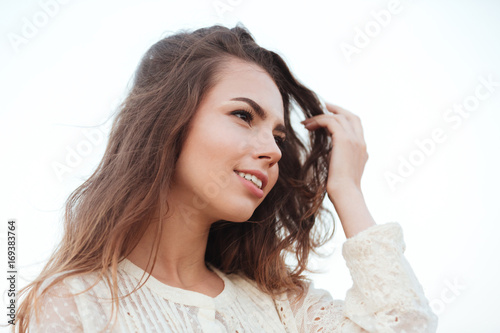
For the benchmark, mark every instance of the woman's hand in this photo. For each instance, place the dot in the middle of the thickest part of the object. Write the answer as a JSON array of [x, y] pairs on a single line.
[[348, 156], [347, 162]]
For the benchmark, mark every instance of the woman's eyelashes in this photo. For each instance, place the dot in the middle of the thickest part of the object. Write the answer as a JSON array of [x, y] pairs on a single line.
[[280, 141], [248, 114], [249, 117]]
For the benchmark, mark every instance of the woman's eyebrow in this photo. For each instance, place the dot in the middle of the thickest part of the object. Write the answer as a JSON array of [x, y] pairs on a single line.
[[260, 111]]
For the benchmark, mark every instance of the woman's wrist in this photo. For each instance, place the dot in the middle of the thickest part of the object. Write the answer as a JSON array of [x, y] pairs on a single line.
[[351, 208]]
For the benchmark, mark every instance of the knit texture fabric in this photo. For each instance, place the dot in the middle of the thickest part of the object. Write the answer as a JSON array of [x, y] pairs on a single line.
[[385, 297]]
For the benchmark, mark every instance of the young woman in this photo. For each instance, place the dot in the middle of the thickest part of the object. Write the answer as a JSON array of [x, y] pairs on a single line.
[[204, 190]]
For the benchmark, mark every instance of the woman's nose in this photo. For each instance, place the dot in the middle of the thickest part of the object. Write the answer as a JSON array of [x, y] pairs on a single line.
[[265, 146]]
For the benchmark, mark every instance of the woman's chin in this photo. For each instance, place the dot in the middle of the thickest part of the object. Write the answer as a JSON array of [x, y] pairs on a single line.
[[239, 216]]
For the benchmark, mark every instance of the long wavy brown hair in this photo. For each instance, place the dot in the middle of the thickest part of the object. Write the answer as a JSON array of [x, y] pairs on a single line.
[[108, 214]]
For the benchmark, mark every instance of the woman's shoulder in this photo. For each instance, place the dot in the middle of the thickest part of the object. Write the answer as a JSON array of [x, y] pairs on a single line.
[[69, 286], [58, 310], [69, 302]]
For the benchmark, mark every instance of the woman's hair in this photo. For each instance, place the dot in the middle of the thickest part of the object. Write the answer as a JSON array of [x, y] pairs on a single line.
[[108, 214]]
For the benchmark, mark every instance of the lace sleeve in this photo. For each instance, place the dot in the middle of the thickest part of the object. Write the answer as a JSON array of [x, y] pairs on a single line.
[[58, 312], [385, 296]]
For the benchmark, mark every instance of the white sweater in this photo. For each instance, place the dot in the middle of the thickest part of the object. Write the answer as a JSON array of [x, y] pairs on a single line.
[[385, 297]]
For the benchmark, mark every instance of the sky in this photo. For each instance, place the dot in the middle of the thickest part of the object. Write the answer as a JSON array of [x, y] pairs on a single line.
[[424, 77]]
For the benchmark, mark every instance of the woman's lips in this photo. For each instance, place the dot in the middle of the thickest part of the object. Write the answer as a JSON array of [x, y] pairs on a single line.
[[250, 186], [257, 173]]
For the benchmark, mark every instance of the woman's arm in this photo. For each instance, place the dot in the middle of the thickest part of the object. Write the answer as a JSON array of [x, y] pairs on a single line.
[[347, 161], [352, 210], [385, 295]]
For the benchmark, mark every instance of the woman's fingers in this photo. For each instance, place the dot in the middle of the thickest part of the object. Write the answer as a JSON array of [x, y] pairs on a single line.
[[339, 127], [340, 120], [348, 123], [354, 120], [348, 156], [339, 110], [328, 121]]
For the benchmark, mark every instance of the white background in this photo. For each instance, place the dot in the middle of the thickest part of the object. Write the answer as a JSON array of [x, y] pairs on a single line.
[[65, 65]]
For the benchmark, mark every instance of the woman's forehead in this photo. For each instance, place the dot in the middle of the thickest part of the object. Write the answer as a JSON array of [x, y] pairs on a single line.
[[240, 80]]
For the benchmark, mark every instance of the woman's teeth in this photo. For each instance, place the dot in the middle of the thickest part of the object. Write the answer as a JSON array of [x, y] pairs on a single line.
[[251, 178]]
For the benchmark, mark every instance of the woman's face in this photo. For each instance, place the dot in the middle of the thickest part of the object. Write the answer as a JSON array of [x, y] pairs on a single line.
[[223, 140]]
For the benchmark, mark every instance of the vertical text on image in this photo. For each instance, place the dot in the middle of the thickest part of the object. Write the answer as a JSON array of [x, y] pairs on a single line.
[[11, 270]]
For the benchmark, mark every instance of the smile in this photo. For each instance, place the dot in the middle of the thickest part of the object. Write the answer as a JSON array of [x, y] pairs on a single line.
[[252, 185], [251, 178]]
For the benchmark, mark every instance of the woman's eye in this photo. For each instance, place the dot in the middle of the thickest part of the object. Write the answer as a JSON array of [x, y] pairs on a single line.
[[280, 141], [247, 116]]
